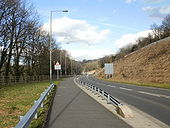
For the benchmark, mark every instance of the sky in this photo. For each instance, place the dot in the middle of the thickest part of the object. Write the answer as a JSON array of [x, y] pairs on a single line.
[[94, 28]]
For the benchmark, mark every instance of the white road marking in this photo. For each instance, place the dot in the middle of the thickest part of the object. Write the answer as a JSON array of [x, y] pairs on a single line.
[[126, 89], [111, 86], [153, 94]]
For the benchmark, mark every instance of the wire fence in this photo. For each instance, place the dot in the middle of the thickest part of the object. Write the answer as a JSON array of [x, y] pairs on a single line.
[[6, 80]]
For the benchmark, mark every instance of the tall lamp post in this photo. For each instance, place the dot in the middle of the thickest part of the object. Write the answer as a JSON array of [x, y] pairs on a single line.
[[50, 40], [71, 66], [65, 63], [60, 62]]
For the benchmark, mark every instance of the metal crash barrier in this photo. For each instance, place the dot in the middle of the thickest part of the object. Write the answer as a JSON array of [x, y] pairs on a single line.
[[32, 113], [105, 95]]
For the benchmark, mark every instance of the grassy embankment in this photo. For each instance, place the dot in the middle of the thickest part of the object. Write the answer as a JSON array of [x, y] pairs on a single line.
[[149, 66], [16, 100], [157, 85]]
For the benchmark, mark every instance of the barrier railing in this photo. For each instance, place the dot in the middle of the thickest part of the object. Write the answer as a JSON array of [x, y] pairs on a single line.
[[105, 95], [32, 113]]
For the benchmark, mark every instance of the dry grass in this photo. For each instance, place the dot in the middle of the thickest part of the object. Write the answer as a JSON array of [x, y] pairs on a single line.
[[157, 85], [148, 65]]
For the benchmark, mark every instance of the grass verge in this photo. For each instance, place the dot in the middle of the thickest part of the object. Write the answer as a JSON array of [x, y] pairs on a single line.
[[42, 112], [157, 85], [16, 100]]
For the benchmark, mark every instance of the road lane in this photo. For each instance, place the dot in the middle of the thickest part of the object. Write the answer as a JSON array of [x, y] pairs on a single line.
[[154, 101], [138, 88]]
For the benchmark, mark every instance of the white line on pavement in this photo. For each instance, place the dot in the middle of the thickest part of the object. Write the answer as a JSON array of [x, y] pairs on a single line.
[[126, 89], [153, 94], [111, 86]]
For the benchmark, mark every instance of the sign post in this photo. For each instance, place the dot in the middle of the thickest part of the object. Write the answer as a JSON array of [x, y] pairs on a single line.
[[108, 70], [57, 67]]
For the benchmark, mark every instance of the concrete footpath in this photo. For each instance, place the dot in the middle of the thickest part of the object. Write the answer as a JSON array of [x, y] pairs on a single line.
[[72, 108]]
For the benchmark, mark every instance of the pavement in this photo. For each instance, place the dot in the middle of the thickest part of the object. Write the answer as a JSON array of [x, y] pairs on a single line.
[[73, 108]]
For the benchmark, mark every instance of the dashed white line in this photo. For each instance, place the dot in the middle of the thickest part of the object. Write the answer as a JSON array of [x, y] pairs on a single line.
[[111, 86], [153, 94], [126, 89]]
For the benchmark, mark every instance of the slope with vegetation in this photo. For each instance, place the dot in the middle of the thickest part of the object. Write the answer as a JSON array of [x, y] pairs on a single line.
[[148, 65], [147, 61], [90, 65]]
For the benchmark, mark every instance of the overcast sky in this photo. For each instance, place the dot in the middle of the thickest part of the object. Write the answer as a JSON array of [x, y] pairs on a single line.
[[95, 28]]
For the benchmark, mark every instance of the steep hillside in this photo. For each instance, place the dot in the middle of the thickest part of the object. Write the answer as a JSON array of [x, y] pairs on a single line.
[[90, 65], [147, 65]]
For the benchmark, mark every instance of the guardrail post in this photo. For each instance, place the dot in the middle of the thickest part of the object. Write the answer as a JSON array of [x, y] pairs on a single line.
[[92, 87], [85, 85], [36, 116], [42, 105], [108, 99], [21, 117], [99, 92], [103, 95], [35, 101], [89, 86], [95, 90]]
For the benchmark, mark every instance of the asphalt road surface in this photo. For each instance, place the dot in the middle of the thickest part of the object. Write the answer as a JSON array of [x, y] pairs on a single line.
[[153, 101], [73, 108]]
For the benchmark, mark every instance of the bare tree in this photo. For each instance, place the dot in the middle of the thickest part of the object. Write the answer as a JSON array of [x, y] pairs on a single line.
[[166, 26]]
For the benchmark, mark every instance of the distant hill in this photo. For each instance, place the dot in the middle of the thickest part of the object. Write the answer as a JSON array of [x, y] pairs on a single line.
[[150, 64], [90, 65]]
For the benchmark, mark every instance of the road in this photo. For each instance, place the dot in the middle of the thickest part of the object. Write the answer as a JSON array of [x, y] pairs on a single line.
[[153, 101]]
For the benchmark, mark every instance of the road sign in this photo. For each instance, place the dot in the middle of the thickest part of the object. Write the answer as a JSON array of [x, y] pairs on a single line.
[[108, 68], [57, 66]]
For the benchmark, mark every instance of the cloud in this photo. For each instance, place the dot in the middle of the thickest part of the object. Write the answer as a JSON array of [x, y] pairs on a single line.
[[154, 1], [130, 1], [116, 26], [89, 54], [76, 31], [157, 12], [130, 39]]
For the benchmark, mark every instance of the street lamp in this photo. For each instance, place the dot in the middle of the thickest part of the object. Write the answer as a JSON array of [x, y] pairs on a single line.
[[65, 63], [71, 66], [60, 62], [51, 38]]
